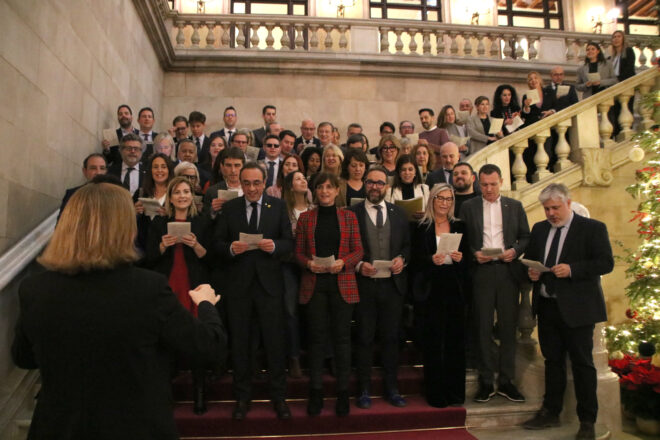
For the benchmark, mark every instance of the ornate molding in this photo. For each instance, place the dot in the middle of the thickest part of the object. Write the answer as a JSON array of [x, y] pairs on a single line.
[[597, 167]]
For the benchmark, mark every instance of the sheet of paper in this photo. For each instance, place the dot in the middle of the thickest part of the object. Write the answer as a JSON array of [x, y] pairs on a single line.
[[513, 126], [495, 125], [563, 91], [151, 206], [382, 268], [448, 243], [458, 140], [593, 76], [326, 262], [178, 229], [356, 200], [492, 252], [110, 135], [462, 115], [250, 239], [411, 206], [536, 265], [226, 194], [534, 96]]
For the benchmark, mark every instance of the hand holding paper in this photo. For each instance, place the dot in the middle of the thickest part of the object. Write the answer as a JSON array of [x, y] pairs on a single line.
[[178, 229], [252, 240], [495, 125], [382, 268]]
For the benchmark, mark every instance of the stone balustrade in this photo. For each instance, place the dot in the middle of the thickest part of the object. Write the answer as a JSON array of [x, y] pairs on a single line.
[[583, 136]]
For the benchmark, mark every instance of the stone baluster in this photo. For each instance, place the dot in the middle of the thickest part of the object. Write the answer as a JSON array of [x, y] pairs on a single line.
[[180, 36], [210, 36], [519, 169], [313, 37], [481, 47], [519, 52], [285, 40], [646, 112], [270, 40], [384, 40], [300, 39], [531, 50], [399, 43], [467, 46], [327, 43], [494, 46], [240, 38], [562, 149], [654, 59], [526, 323], [582, 51], [254, 38], [642, 57], [541, 157], [426, 43], [194, 38], [570, 50], [343, 39], [440, 42], [605, 128], [225, 28], [412, 47], [507, 47], [625, 117], [453, 49]]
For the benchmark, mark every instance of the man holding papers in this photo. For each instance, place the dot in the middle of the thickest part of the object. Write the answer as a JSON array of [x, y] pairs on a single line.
[[568, 301], [498, 233], [382, 283], [255, 289], [557, 96]]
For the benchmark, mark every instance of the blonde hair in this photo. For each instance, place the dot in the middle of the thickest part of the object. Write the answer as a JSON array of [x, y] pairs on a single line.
[[167, 138], [183, 166], [169, 209], [429, 213], [97, 230], [338, 153]]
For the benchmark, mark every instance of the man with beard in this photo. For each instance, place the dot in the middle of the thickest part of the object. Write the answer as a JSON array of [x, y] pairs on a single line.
[[432, 134], [464, 185], [385, 237], [125, 119], [128, 168], [446, 157]]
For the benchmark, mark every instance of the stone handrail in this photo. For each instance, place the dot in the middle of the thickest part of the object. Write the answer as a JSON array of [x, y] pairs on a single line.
[[589, 133]]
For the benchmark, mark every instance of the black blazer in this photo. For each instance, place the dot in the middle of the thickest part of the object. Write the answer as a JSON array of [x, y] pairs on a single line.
[[115, 170], [102, 341], [112, 154], [551, 102], [450, 277], [67, 195], [197, 268], [258, 136], [438, 176], [257, 264], [399, 241], [626, 64], [203, 153], [587, 250], [300, 140]]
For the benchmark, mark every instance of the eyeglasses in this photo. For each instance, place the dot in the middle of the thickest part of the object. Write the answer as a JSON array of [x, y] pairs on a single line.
[[444, 199], [376, 183], [388, 147], [132, 148], [189, 177], [272, 145]]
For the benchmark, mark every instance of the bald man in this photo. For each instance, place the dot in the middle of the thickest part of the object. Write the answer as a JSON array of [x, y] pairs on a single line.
[[307, 138], [446, 158]]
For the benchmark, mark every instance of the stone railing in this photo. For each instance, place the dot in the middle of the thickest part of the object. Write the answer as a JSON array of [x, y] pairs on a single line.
[[583, 136]]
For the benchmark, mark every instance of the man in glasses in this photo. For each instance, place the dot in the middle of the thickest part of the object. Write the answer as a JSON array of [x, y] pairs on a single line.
[[272, 161], [179, 130], [129, 170], [385, 238]]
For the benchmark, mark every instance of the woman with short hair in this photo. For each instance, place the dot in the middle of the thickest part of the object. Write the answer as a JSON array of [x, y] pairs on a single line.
[[388, 151], [353, 170]]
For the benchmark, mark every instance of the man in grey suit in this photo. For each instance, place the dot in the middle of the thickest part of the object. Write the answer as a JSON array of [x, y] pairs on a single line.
[[495, 223], [240, 140]]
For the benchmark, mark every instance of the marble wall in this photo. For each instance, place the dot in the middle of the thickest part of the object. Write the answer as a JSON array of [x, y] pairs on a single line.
[[65, 66]]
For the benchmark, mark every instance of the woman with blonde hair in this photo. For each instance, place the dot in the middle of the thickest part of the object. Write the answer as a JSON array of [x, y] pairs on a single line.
[[164, 143], [101, 330], [181, 258]]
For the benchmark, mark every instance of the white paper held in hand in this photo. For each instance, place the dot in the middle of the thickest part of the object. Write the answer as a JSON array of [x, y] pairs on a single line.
[[178, 229], [495, 125], [252, 240], [325, 262], [382, 268]]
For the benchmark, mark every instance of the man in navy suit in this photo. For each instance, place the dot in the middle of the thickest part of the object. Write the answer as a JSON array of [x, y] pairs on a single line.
[[229, 117], [125, 119], [553, 103], [197, 121], [255, 291], [130, 170], [568, 301], [92, 165]]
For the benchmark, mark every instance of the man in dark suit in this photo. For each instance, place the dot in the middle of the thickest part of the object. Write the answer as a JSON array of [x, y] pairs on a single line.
[[448, 157], [498, 233], [92, 165], [568, 301], [129, 170], [269, 114], [553, 103], [307, 138], [229, 118], [197, 121], [271, 161], [231, 161], [146, 120], [385, 236], [255, 292], [125, 119]]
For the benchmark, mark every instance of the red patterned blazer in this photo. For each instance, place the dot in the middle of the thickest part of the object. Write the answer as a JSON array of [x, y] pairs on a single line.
[[350, 250]]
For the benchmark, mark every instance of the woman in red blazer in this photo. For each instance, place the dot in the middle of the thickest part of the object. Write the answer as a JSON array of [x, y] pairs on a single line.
[[329, 290]]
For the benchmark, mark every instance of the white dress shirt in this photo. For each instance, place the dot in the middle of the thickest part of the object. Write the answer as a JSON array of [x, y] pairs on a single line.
[[493, 228], [135, 176]]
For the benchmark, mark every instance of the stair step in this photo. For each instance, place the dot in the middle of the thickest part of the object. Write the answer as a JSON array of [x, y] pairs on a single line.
[[499, 412], [261, 420], [409, 434]]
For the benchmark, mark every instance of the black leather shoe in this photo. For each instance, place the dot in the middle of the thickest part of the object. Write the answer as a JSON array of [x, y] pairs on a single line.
[[586, 431], [510, 391], [315, 403], [199, 405], [364, 401], [484, 393], [282, 409], [342, 407], [542, 420], [396, 399], [241, 409]]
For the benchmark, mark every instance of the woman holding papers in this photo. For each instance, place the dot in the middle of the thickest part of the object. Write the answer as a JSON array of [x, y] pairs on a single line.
[[505, 106], [479, 126], [531, 113], [328, 246], [181, 257], [439, 299], [353, 171], [424, 159], [596, 73], [408, 185], [457, 130]]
